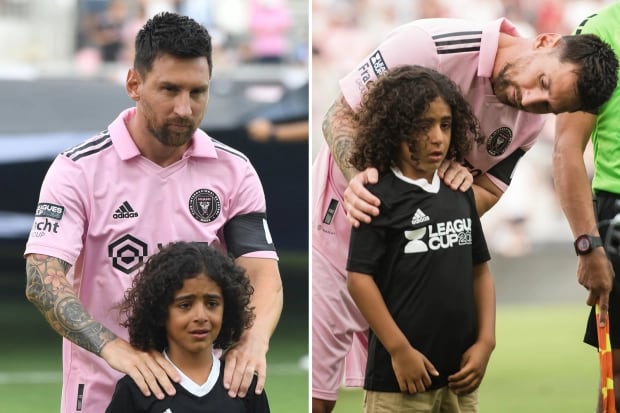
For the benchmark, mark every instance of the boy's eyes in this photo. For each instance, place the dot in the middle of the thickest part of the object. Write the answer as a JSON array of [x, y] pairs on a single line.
[[213, 303], [186, 304], [424, 126]]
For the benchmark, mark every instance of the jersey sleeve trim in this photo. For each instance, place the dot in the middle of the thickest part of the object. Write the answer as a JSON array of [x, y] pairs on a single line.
[[90, 147], [583, 23]]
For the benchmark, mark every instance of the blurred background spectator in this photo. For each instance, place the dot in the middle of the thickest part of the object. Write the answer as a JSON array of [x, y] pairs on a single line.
[[283, 121], [88, 36], [268, 27], [345, 31]]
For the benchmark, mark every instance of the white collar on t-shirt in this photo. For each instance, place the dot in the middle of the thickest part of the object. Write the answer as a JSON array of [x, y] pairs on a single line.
[[432, 187], [191, 386]]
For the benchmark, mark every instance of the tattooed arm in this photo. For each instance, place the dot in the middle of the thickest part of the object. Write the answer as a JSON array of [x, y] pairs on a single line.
[[49, 290], [339, 134]]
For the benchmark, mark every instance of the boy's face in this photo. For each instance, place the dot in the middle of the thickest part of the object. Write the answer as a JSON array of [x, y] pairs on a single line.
[[194, 317], [432, 142]]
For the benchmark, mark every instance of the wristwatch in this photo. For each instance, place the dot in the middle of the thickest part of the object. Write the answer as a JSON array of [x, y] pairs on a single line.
[[585, 243]]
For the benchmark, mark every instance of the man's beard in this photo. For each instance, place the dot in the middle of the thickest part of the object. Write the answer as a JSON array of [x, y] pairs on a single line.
[[502, 83], [169, 137]]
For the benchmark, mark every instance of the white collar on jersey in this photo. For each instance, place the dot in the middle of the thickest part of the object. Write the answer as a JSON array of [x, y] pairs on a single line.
[[432, 187], [191, 386]]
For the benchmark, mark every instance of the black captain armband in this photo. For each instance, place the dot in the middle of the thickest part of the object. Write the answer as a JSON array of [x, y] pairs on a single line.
[[505, 168], [248, 233]]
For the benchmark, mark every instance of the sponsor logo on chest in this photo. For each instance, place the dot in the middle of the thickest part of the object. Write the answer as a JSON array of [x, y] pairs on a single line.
[[124, 211]]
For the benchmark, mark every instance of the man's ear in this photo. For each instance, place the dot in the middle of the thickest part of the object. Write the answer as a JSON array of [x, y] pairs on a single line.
[[133, 84], [547, 40]]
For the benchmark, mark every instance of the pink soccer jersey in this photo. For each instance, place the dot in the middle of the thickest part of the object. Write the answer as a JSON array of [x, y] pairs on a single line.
[[465, 52], [462, 50], [104, 209]]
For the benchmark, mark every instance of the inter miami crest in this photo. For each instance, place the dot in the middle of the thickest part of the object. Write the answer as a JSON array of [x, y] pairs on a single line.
[[499, 141], [204, 205]]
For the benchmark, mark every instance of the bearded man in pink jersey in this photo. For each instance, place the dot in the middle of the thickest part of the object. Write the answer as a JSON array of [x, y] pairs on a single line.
[[509, 81], [151, 178]]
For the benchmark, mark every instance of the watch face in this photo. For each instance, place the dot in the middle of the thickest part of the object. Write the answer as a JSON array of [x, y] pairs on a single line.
[[583, 244]]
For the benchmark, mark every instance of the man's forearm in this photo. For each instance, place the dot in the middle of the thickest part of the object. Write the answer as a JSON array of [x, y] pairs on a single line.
[[573, 190], [49, 290], [486, 194], [338, 131], [267, 307], [267, 299], [570, 177]]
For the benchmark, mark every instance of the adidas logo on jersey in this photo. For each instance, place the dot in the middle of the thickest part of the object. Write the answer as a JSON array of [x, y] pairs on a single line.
[[419, 217], [124, 211]]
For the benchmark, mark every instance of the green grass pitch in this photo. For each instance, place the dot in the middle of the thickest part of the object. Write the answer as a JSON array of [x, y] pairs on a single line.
[[540, 364]]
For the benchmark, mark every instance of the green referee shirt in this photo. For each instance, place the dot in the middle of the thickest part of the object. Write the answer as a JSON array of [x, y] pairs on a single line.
[[606, 133]]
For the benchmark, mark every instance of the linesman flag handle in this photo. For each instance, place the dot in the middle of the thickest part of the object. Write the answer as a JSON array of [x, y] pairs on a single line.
[[607, 374]]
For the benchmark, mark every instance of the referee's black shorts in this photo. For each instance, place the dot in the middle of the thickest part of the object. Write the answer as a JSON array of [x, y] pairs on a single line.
[[605, 208]]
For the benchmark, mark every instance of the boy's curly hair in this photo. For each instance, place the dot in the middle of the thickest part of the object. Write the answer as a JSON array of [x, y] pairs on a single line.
[[391, 108], [145, 307]]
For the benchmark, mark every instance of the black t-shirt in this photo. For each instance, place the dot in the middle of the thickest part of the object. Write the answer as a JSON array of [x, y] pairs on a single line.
[[421, 251], [128, 398]]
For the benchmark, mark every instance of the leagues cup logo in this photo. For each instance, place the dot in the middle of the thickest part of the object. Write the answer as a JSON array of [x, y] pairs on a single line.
[[204, 205]]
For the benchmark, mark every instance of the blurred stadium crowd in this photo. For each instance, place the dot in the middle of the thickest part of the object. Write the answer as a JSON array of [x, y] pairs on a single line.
[[243, 31], [85, 37], [345, 31]]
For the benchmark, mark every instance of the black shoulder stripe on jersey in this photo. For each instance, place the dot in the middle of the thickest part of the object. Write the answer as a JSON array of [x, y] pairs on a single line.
[[469, 41], [583, 23], [460, 50], [93, 151], [458, 42], [226, 148], [102, 137], [455, 34]]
